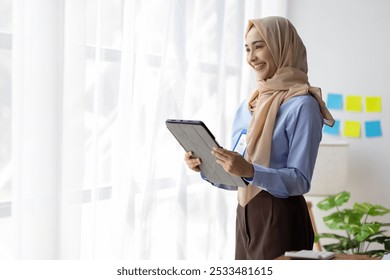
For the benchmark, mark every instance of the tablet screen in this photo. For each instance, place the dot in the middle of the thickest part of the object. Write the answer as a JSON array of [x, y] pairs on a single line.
[[196, 137]]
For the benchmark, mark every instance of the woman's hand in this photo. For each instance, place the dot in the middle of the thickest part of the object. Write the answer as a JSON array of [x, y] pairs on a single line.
[[233, 163], [192, 163]]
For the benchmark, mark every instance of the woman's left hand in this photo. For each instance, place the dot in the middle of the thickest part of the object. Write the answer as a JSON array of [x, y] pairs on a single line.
[[233, 163]]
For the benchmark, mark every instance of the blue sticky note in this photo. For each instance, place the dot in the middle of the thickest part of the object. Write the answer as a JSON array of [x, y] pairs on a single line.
[[334, 101], [373, 129], [334, 130]]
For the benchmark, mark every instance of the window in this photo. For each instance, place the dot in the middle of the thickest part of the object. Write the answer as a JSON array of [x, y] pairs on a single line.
[[122, 192]]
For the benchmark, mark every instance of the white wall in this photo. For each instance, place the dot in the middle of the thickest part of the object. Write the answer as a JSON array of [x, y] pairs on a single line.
[[347, 43]]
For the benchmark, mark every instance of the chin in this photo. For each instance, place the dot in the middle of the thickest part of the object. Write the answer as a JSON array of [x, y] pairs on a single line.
[[260, 76], [263, 75]]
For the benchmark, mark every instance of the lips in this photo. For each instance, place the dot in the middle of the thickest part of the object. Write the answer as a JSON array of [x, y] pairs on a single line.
[[258, 66]]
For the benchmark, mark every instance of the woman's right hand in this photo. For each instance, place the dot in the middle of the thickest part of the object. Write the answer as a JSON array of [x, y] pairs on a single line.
[[192, 163]]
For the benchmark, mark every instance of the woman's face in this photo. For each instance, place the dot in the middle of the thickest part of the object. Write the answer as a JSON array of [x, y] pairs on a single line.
[[259, 56]]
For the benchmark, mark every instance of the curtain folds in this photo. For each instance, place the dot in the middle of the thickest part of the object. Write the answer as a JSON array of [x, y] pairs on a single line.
[[96, 173]]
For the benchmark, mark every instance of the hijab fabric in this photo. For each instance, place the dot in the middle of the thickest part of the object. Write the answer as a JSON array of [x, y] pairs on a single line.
[[289, 80]]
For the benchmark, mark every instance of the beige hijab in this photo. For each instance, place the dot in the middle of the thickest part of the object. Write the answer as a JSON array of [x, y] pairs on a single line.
[[290, 80]]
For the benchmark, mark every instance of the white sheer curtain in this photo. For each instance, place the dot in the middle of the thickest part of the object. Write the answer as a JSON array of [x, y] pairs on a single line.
[[96, 174], [180, 59]]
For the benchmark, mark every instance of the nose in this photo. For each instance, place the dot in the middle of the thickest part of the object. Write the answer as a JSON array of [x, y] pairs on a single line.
[[252, 57]]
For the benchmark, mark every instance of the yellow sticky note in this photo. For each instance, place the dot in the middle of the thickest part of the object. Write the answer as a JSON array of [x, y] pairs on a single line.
[[352, 129], [373, 104], [354, 103]]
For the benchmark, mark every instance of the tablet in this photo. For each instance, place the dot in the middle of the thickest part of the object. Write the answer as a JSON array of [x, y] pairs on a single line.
[[196, 137]]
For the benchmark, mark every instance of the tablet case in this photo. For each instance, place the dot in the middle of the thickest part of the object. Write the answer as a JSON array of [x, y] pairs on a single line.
[[196, 137]]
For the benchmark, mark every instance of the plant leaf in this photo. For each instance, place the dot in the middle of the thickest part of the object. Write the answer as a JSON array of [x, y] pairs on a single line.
[[343, 246], [343, 220], [378, 210], [378, 237], [362, 207], [329, 235], [335, 247], [375, 253], [370, 209], [387, 244], [326, 204], [341, 198], [333, 201], [351, 217], [334, 221], [367, 230], [359, 234], [353, 229]]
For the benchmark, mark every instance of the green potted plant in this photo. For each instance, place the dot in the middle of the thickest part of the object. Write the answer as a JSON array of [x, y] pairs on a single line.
[[361, 231]]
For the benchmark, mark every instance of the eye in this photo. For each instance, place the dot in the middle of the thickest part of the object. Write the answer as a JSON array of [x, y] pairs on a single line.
[[258, 47], [247, 49]]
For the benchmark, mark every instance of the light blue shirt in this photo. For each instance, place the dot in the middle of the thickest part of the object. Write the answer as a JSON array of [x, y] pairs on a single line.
[[295, 142]]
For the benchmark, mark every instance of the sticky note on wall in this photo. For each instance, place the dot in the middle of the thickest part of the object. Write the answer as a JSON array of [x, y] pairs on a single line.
[[373, 129], [354, 103], [352, 129], [373, 104], [334, 101], [334, 130]]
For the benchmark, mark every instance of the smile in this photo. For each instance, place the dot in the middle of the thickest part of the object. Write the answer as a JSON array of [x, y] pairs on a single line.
[[258, 66]]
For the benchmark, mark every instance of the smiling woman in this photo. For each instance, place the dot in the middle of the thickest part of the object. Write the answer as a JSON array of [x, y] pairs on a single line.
[[283, 119], [259, 55], [85, 86]]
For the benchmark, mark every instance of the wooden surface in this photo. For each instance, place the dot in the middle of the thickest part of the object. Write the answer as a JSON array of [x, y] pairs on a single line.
[[339, 257]]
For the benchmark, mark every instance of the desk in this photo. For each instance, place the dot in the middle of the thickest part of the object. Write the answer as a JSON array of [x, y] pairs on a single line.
[[340, 257]]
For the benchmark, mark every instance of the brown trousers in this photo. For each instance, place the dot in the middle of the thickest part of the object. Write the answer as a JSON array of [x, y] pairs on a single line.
[[269, 226]]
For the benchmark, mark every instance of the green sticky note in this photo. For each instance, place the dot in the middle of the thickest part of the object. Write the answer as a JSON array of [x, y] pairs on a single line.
[[373, 104], [352, 129], [354, 103]]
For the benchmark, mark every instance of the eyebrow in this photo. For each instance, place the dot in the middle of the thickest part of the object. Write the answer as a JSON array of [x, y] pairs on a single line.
[[258, 41]]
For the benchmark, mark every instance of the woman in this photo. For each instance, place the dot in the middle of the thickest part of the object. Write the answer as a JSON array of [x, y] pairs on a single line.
[[283, 119]]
